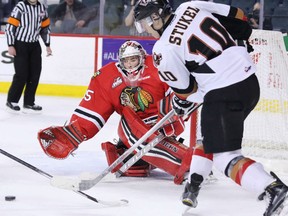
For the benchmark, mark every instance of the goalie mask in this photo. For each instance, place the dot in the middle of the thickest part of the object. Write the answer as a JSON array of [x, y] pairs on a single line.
[[145, 8], [131, 58]]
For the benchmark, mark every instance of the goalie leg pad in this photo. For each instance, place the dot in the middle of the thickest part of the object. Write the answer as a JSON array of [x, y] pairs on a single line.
[[173, 127], [171, 156], [167, 155], [131, 128], [184, 168], [112, 153], [138, 171]]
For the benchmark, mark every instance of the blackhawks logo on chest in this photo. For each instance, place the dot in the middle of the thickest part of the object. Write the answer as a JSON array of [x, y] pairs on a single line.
[[136, 98]]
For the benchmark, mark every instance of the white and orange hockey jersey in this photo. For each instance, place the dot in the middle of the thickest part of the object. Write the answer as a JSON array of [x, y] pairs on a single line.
[[196, 46]]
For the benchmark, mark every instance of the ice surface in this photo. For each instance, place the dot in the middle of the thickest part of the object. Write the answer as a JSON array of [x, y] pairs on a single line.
[[156, 195]]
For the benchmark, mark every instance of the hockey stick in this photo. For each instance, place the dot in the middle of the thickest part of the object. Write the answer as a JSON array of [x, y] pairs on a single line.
[[107, 203], [139, 155], [147, 148], [86, 184]]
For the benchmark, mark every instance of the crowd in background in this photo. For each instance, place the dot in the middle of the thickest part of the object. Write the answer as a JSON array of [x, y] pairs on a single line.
[[84, 16]]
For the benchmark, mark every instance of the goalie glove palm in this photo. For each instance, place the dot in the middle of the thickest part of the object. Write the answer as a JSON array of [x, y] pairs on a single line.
[[182, 107], [59, 142]]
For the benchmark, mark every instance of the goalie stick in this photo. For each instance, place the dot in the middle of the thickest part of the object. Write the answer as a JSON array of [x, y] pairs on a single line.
[[86, 184], [47, 175], [147, 148]]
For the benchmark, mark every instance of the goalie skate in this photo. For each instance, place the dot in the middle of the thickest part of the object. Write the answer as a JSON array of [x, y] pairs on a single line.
[[276, 196]]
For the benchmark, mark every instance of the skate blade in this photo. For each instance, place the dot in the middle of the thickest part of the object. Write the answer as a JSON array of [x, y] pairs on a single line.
[[282, 209], [11, 111], [210, 180], [186, 211], [32, 112]]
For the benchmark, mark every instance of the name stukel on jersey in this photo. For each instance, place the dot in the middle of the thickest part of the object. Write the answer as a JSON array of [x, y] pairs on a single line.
[[182, 24]]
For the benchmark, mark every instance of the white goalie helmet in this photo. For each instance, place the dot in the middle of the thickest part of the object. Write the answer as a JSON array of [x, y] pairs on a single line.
[[131, 49]]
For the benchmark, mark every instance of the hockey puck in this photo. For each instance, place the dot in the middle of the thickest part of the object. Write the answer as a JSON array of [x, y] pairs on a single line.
[[124, 201], [10, 198]]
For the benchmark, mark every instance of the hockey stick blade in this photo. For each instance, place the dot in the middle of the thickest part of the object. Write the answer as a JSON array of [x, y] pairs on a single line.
[[47, 175]]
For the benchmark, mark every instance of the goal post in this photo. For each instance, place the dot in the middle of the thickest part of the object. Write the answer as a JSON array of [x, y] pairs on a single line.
[[266, 128]]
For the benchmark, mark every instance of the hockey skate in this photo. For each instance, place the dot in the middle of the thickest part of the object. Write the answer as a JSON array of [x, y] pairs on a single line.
[[276, 196], [32, 109], [12, 107], [191, 191]]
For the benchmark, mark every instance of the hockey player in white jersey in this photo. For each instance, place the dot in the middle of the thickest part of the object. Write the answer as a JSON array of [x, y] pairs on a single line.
[[198, 56]]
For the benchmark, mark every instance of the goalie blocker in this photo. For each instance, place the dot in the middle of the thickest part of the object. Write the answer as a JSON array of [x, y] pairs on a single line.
[[169, 155]]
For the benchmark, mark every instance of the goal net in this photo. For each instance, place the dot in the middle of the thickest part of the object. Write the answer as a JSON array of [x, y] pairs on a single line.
[[266, 128]]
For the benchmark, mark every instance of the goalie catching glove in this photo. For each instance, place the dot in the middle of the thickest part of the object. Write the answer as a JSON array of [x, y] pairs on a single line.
[[59, 142], [182, 107]]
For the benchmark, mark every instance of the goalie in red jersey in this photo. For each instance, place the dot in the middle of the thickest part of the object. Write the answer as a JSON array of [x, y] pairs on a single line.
[[132, 88]]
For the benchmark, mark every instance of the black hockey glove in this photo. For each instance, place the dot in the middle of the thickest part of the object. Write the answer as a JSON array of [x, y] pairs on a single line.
[[249, 47], [182, 107]]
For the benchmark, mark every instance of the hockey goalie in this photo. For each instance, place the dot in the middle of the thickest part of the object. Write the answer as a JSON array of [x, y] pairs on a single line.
[[132, 88]]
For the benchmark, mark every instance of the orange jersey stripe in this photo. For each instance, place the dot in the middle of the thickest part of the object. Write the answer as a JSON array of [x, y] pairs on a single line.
[[45, 23], [13, 21]]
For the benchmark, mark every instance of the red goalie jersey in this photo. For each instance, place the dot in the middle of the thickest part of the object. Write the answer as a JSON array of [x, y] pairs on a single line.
[[108, 92]]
